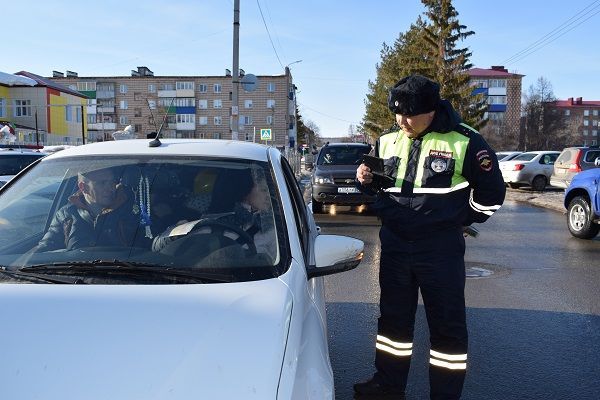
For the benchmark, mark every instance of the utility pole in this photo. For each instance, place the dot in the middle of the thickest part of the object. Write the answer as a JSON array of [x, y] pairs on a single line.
[[235, 76], [82, 126]]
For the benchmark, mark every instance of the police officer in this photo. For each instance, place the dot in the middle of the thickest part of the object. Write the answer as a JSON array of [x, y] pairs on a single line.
[[439, 176]]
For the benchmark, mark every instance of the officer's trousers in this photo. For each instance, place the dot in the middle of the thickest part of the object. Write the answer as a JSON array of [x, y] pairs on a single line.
[[435, 264]]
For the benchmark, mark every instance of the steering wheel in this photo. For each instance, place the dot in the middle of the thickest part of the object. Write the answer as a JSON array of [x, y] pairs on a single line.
[[193, 241]]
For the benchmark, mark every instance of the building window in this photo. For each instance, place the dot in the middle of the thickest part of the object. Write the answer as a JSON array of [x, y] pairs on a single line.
[[595, 122], [496, 100], [186, 118], [585, 132], [202, 87], [123, 88], [247, 103], [68, 115], [216, 136], [479, 83], [137, 128], [586, 113], [166, 86], [123, 104], [203, 104], [184, 102], [497, 82], [137, 112], [217, 103], [91, 118], [184, 85], [2, 108], [270, 87], [247, 120], [567, 112], [86, 86], [218, 120], [202, 120], [217, 88], [594, 132], [166, 102], [151, 88], [152, 104], [586, 122], [23, 108], [123, 120], [137, 96], [594, 142], [595, 113], [78, 115], [496, 116], [269, 120], [270, 103]]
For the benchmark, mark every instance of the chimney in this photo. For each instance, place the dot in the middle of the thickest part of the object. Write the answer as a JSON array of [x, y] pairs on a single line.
[[570, 100], [578, 100], [57, 74], [227, 72], [144, 71], [499, 68], [135, 73], [71, 74], [242, 72]]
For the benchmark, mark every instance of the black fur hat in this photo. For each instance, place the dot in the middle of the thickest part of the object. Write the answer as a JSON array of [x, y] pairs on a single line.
[[414, 95]]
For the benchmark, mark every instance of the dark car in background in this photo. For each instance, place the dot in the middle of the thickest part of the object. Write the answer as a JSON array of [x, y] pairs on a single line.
[[334, 173], [573, 160], [13, 161], [582, 201]]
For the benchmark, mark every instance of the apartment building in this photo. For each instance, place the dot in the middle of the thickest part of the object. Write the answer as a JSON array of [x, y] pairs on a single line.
[[502, 91], [43, 111], [187, 106], [581, 117]]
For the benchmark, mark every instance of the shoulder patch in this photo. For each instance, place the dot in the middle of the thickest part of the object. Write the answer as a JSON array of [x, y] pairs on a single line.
[[484, 160]]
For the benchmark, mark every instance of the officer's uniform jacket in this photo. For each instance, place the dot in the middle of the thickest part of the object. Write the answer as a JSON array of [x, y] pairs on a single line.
[[444, 179]]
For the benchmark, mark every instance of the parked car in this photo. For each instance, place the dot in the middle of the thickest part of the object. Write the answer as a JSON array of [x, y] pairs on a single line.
[[573, 160], [532, 168], [507, 155], [14, 159], [220, 311], [334, 174], [582, 201]]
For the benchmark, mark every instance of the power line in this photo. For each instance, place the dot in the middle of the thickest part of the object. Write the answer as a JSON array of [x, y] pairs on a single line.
[[556, 32], [268, 33], [328, 116]]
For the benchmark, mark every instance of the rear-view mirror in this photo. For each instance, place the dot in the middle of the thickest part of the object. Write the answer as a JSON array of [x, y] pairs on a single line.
[[334, 254]]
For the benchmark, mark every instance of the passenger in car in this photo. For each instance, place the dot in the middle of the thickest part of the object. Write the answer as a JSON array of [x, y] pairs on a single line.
[[98, 214]]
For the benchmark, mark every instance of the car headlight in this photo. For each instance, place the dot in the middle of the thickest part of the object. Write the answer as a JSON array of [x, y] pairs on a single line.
[[323, 179]]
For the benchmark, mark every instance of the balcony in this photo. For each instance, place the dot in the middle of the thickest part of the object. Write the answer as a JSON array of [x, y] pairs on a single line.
[[108, 126], [105, 109], [168, 93], [186, 126], [105, 94], [184, 93]]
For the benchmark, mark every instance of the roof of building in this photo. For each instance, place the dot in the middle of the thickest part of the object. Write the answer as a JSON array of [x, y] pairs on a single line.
[[15, 80], [48, 83], [491, 72], [576, 103]]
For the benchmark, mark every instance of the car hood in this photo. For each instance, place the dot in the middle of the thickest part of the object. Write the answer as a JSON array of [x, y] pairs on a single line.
[[349, 170], [118, 342]]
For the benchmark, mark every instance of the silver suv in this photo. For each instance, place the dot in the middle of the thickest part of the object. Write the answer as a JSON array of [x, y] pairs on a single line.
[[573, 160]]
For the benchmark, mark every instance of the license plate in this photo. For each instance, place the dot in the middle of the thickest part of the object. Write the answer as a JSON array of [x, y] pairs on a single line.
[[348, 190], [561, 171]]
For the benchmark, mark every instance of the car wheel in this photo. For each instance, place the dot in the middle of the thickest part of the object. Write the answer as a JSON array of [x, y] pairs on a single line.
[[539, 183], [317, 207], [514, 185], [579, 219]]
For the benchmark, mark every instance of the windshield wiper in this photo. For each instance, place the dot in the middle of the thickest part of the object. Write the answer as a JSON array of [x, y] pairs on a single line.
[[114, 267], [36, 277]]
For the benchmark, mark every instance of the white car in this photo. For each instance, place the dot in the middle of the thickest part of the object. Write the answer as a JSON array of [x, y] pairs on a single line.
[[507, 155], [532, 168], [219, 311], [13, 160]]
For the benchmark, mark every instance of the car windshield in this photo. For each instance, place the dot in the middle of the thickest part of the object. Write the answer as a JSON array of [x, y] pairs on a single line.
[[12, 164], [342, 155], [525, 157], [219, 216]]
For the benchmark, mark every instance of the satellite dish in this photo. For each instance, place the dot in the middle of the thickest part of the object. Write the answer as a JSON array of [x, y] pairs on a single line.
[[249, 82]]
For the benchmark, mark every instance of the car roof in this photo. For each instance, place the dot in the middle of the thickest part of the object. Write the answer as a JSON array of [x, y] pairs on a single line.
[[19, 152], [170, 147]]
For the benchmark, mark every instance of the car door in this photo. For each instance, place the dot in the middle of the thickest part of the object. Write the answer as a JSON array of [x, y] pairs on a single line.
[[547, 163]]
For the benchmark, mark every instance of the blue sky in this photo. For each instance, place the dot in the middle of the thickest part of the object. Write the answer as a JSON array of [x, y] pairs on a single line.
[[339, 43]]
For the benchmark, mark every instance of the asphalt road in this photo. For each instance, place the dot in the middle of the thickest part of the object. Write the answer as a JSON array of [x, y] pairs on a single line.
[[534, 323]]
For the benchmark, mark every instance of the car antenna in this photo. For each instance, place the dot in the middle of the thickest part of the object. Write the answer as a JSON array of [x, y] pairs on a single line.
[[156, 141], [151, 114]]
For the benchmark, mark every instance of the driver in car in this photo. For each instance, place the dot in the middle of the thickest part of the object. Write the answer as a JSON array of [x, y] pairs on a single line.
[[98, 214], [241, 199]]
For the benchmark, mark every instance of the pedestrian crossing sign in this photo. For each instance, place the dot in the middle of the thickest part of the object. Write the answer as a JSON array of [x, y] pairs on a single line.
[[265, 134]]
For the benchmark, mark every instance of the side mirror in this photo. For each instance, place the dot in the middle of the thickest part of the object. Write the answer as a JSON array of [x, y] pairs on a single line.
[[334, 254]]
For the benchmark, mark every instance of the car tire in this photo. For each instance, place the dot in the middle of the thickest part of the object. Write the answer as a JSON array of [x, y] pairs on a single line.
[[317, 207], [514, 185], [579, 219], [539, 183]]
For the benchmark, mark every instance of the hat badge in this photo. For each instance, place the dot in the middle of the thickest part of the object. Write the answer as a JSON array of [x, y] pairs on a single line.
[[396, 103]]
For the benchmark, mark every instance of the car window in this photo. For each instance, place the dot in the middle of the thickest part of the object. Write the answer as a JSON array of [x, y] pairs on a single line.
[[12, 164], [525, 157], [567, 156], [591, 156], [342, 155], [299, 207], [548, 159], [200, 214]]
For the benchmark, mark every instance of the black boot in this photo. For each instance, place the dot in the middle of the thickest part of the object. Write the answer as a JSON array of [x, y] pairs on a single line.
[[374, 388]]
